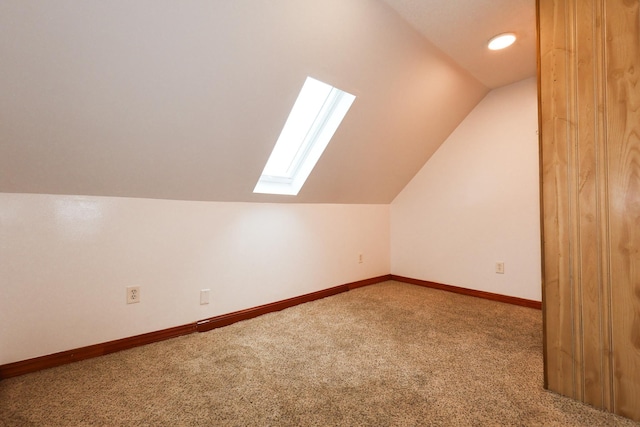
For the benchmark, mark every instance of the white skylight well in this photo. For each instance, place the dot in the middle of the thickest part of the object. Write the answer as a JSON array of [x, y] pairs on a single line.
[[314, 119]]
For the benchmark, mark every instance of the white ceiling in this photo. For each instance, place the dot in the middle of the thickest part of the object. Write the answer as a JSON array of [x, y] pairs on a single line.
[[461, 28], [185, 100]]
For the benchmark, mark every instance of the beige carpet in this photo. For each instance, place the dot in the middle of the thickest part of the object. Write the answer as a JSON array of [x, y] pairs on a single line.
[[391, 354]]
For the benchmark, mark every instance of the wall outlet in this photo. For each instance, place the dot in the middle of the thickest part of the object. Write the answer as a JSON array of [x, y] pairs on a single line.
[[133, 294], [500, 267], [204, 296], [360, 259]]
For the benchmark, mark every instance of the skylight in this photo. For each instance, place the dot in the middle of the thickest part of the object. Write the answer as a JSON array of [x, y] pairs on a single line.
[[314, 119]]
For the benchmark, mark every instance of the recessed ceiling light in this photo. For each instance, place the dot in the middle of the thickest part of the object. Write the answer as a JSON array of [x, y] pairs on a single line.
[[501, 41]]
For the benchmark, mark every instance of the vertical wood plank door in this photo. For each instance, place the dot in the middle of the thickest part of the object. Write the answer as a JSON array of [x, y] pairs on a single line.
[[589, 101]]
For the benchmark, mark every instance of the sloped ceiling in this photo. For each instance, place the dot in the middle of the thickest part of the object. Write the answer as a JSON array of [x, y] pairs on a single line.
[[185, 99], [462, 28]]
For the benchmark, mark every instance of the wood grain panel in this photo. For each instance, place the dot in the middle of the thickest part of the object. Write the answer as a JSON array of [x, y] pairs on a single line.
[[588, 282], [623, 124], [554, 132], [589, 86], [602, 172]]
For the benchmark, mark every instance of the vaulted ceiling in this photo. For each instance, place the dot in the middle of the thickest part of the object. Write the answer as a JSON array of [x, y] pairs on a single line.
[[185, 100], [461, 28]]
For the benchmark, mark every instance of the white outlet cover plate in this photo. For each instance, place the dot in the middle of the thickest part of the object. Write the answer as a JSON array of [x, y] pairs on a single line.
[[133, 294], [204, 296]]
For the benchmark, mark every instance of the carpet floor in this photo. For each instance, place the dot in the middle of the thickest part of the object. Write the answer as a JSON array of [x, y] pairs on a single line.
[[390, 354]]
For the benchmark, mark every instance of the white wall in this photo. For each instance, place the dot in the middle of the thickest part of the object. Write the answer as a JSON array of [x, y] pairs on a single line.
[[476, 202], [65, 262]]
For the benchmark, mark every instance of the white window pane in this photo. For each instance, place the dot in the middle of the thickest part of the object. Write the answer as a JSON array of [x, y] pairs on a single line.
[[314, 118]]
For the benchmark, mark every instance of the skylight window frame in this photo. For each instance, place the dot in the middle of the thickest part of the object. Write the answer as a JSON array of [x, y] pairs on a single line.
[[327, 119], [328, 107]]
